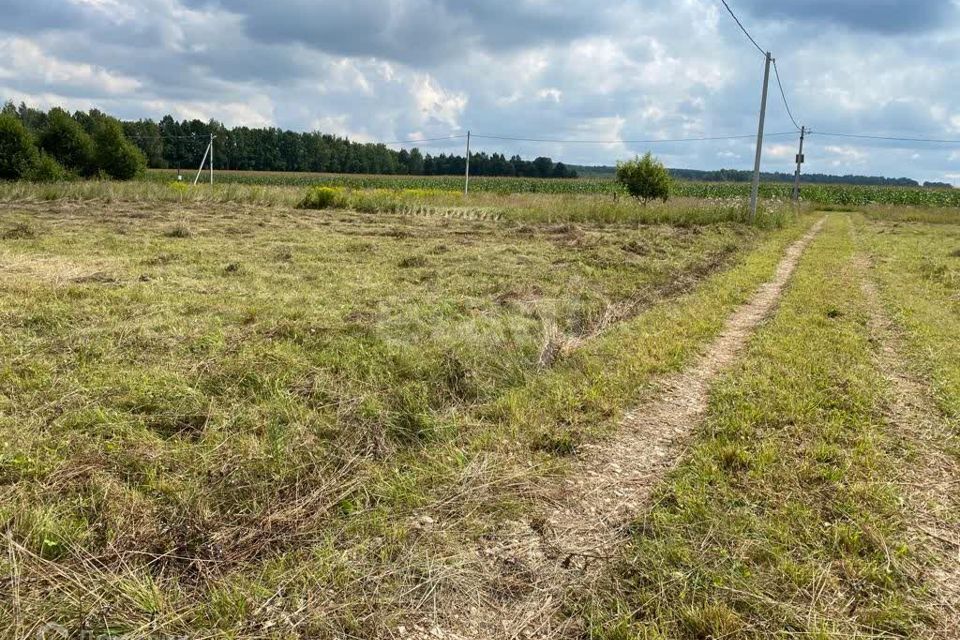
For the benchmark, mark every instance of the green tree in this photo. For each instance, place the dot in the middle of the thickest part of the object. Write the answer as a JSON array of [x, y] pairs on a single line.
[[116, 156], [18, 154], [67, 143], [645, 178], [46, 169]]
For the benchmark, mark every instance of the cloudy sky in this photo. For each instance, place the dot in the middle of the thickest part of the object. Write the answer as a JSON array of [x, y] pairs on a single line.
[[609, 70]]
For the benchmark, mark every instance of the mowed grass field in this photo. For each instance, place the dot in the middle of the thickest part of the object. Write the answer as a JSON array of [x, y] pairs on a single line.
[[227, 417]]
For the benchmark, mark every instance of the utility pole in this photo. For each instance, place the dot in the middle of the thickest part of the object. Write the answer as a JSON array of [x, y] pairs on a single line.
[[211, 159], [202, 162], [755, 191], [800, 161], [466, 181]]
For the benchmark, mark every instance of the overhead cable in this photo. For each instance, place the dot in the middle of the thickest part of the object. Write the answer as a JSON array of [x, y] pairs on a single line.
[[783, 94], [742, 28], [650, 141], [888, 138]]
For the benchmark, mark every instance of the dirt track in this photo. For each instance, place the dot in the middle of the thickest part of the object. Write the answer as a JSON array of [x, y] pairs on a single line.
[[556, 551]]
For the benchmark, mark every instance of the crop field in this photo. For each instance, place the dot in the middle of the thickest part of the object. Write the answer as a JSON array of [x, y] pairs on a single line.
[[840, 195], [523, 415]]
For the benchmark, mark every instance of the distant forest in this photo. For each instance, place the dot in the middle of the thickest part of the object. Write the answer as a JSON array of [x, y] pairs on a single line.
[[171, 143], [736, 175]]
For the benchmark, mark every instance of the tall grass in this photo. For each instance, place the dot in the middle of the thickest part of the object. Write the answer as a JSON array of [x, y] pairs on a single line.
[[821, 194], [109, 191], [518, 208]]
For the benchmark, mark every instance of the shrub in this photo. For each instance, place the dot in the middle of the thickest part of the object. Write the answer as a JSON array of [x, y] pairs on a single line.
[[116, 156], [644, 178], [46, 169], [18, 154], [66, 141], [322, 198]]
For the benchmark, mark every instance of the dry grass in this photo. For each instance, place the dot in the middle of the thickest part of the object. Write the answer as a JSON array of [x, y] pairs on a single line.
[[248, 420]]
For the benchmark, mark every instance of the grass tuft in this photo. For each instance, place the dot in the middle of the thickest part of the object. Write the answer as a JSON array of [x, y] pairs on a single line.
[[178, 231], [19, 231]]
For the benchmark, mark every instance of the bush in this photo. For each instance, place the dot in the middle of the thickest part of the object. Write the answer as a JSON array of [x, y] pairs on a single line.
[[644, 178], [18, 154], [116, 156], [322, 198], [46, 169], [66, 141]]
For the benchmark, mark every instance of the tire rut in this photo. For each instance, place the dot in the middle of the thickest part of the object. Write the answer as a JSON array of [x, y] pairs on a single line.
[[931, 483], [537, 562]]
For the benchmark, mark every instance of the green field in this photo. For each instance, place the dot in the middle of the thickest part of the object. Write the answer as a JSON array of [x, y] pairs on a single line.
[[226, 416], [842, 195]]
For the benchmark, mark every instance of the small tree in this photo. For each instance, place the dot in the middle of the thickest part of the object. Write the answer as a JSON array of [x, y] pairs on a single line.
[[644, 178], [18, 154], [46, 169], [116, 156], [66, 141]]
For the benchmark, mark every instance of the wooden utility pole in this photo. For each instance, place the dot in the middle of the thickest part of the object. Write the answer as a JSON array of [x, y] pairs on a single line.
[[466, 178], [800, 161], [755, 191]]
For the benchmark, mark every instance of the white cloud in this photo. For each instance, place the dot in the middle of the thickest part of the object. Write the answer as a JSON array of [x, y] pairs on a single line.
[[26, 61], [436, 104], [551, 94], [781, 151], [256, 113], [618, 70], [845, 155]]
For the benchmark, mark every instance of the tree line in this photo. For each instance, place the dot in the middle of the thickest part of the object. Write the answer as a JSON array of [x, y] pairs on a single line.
[[55, 145], [171, 143], [737, 175]]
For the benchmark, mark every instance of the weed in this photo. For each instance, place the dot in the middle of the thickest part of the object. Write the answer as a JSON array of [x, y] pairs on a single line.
[[178, 231], [19, 231], [411, 262]]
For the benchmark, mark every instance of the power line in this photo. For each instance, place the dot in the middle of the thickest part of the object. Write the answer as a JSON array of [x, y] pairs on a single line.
[[888, 138], [651, 141], [783, 94], [197, 138], [742, 28], [415, 141]]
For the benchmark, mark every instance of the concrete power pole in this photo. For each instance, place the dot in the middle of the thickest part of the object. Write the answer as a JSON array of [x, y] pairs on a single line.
[[211, 159], [466, 177], [800, 161], [755, 191]]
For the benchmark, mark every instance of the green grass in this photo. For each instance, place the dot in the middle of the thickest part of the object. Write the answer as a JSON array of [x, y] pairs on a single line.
[[821, 194], [438, 203], [916, 258], [782, 520], [232, 418]]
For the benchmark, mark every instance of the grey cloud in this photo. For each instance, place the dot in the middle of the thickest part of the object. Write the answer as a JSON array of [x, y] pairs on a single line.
[[880, 16], [414, 31], [30, 16], [286, 57]]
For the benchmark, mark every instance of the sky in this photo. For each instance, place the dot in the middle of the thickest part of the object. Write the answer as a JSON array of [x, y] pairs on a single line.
[[613, 71]]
